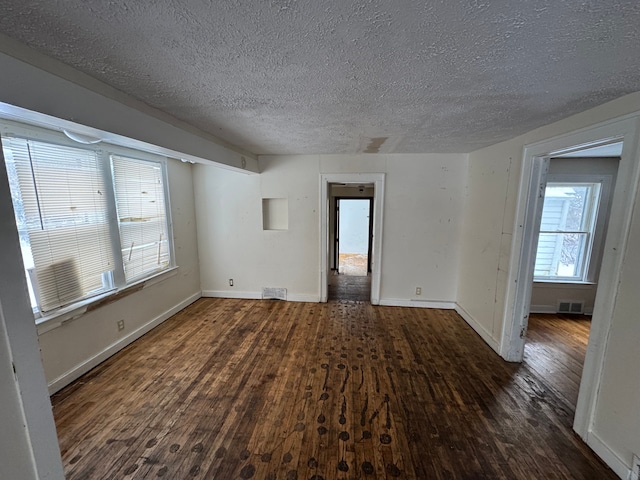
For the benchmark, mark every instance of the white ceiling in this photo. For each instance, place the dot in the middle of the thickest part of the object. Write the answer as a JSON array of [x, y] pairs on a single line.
[[335, 76]]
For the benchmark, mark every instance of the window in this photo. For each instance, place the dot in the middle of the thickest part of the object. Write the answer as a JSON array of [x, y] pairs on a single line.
[[567, 231], [90, 220], [142, 217]]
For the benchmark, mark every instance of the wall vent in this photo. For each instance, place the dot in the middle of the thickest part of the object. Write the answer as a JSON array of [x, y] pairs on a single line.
[[569, 306], [274, 293]]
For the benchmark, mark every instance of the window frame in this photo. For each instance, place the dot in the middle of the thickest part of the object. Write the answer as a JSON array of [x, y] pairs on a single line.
[[104, 151], [593, 253]]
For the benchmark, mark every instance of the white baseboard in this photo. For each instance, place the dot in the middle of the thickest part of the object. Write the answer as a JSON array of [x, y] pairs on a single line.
[[608, 456], [543, 309], [480, 330], [257, 296], [403, 302], [553, 309], [303, 298], [232, 294], [79, 370]]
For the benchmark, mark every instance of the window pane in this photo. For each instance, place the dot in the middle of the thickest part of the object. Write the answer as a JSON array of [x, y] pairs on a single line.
[[63, 211], [561, 255], [139, 190], [567, 207], [566, 230]]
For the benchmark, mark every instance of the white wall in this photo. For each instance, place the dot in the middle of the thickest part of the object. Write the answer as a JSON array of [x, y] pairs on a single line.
[[74, 347], [422, 217], [617, 418], [494, 175]]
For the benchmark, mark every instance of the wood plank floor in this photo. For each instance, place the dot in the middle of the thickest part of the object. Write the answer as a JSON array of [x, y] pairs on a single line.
[[555, 350], [245, 389], [349, 287]]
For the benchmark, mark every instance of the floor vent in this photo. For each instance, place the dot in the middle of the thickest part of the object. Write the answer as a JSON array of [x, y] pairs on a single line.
[[274, 293], [567, 306]]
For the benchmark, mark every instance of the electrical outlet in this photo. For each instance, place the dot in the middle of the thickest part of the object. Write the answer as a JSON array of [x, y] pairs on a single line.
[[418, 290], [231, 282], [120, 325], [635, 471]]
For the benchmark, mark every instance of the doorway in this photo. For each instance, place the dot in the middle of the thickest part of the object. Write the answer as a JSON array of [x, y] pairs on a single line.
[[353, 220], [525, 238], [352, 243], [574, 222], [331, 187]]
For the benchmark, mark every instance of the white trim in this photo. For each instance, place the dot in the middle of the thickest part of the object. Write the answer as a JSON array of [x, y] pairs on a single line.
[[79, 370], [523, 252], [303, 298], [230, 294], [403, 302], [543, 309], [520, 272], [479, 329], [570, 285], [258, 296], [378, 212], [608, 456]]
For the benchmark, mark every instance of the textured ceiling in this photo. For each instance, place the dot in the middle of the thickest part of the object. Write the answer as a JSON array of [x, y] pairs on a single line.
[[335, 76]]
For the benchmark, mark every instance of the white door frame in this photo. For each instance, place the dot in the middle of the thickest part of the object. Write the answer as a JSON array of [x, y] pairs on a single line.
[[529, 206], [378, 206]]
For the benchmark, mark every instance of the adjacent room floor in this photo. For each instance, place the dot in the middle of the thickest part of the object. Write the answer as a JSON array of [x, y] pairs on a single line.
[[555, 349], [232, 388], [349, 288]]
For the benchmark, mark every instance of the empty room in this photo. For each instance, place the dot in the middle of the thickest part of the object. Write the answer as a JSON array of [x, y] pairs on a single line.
[[176, 297]]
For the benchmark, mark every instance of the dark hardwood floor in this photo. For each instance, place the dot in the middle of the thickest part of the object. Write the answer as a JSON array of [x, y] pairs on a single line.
[[555, 350], [349, 288], [245, 389]]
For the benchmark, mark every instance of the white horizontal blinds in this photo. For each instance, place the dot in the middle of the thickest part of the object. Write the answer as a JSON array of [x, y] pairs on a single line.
[[63, 194], [139, 190]]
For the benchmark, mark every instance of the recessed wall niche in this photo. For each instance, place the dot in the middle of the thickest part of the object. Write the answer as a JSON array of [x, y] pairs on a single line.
[[275, 214]]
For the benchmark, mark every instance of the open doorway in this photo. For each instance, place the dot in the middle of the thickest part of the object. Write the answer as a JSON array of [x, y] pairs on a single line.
[[351, 234], [571, 233], [536, 159], [335, 188]]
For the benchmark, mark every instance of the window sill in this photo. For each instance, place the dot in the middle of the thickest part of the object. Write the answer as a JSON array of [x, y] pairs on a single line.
[[562, 284], [66, 314]]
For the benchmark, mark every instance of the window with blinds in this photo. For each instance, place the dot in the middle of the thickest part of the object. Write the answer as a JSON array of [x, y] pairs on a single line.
[[90, 220], [142, 219], [64, 212]]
